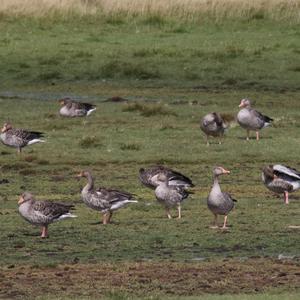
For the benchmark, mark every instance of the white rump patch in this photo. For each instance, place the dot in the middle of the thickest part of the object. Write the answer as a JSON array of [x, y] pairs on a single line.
[[90, 111], [35, 141]]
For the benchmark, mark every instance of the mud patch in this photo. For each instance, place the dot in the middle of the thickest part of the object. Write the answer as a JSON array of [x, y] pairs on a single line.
[[145, 278]]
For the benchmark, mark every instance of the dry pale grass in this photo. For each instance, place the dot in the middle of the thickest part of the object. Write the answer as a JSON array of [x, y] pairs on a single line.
[[184, 9]]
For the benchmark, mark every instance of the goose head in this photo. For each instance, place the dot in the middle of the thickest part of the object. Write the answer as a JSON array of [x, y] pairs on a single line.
[[162, 178], [85, 174], [217, 171], [269, 172], [64, 101], [6, 126], [245, 103], [26, 196]]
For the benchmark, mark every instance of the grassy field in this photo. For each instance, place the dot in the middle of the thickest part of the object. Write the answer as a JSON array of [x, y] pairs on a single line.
[[172, 72]]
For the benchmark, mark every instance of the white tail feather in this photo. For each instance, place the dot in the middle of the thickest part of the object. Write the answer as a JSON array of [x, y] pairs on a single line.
[[90, 111], [35, 141], [65, 216]]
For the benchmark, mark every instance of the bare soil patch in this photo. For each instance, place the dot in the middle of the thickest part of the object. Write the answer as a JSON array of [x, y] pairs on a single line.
[[142, 278]]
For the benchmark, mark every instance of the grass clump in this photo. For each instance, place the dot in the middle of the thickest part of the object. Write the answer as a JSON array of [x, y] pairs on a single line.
[[148, 110], [89, 142], [120, 69], [130, 147]]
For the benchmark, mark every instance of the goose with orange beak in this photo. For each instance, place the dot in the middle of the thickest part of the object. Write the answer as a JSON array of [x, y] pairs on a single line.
[[43, 213], [219, 203], [251, 119], [103, 199], [19, 138]]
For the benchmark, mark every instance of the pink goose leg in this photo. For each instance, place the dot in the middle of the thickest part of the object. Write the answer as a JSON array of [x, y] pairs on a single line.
[[44, 232], [286, 197]]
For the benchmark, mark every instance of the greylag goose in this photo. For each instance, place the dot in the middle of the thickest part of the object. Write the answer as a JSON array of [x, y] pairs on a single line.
[[19, 138], [220, 203], [71, 108], [251, 119], [281, 180], [213, 124], [104, 200], [149, 176], [170, 196], [43, 213]]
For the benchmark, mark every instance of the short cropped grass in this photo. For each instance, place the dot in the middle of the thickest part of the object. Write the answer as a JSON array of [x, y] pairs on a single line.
[[114, 143]]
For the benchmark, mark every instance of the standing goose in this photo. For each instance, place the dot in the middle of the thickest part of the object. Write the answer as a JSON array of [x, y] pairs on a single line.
[[220, 203], [281, 180], [71, 108], [19, 138], [251, 119], [213, 124], [149, 177], [104, 200], [170, 196], [43, 213]]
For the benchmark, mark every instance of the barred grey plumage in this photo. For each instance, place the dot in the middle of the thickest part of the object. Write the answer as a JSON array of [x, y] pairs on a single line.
[[213, 124], [19, 138], [71, 108], [170, 196], [251, 119], [43, 213], [103, 199], [281, 179], [148, 177]]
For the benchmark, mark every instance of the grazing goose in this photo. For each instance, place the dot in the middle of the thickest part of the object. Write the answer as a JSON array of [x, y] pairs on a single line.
[[71, 108], [170, 196], [220, 203], [281, 180], [43, 213], [213, 124], [251, 119], [19, 138], [149, 177], [103, 199]]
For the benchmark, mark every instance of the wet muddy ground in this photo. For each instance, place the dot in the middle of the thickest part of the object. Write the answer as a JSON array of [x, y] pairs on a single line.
[[145, 278]]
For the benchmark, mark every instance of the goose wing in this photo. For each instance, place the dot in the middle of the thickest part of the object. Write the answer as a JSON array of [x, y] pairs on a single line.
[[280, 169], [111, 196], [83, 106], [52, 210], [178, 179], [25, 134], [260, 116]]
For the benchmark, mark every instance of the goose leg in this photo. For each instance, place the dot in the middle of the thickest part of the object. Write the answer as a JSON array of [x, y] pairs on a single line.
[[44, 232], [248, 135], [207, 142], [109, 216], [215, 223], [257, 135], [19, 151], [221, 140], [179, 211], [104, 220], [286, 197], [225, 221], [168, 213]]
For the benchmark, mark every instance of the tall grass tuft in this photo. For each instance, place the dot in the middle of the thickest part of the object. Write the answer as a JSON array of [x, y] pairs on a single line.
[[148, 110], [155, 11]]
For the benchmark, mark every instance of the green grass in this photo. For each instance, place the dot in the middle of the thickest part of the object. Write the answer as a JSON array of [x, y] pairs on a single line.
[[172, 75], [243, 54], [123, 141]]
